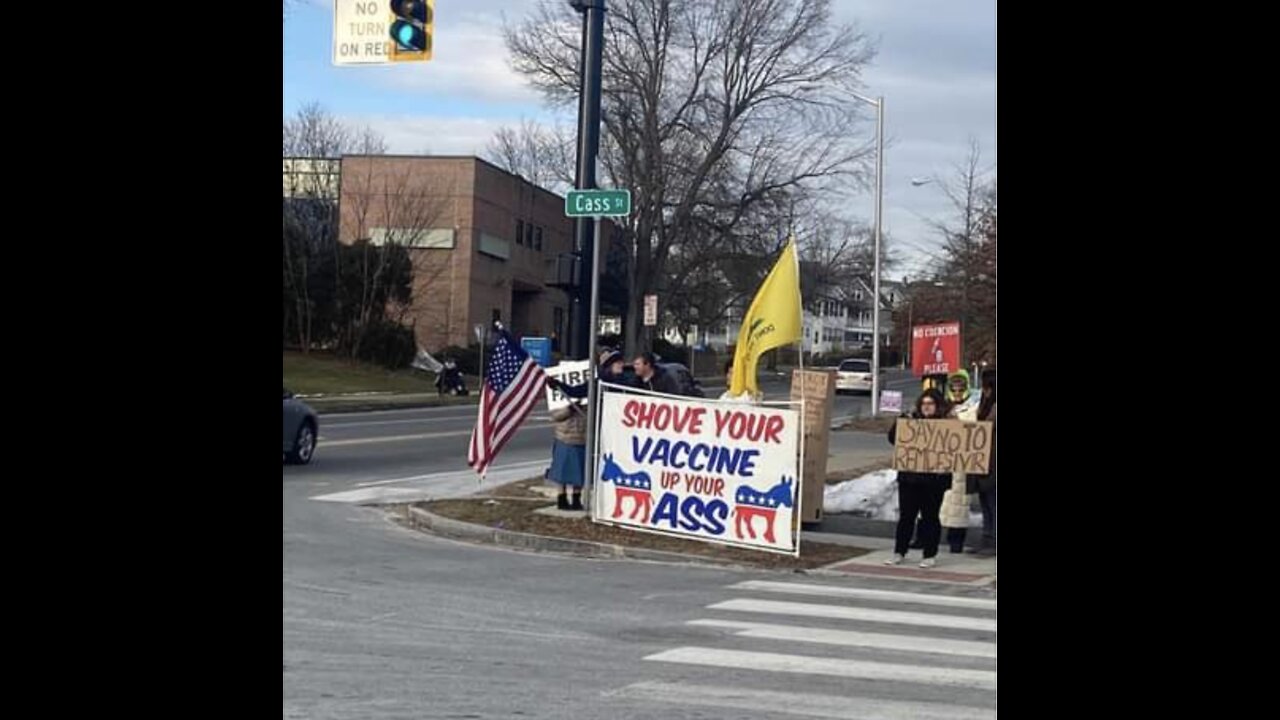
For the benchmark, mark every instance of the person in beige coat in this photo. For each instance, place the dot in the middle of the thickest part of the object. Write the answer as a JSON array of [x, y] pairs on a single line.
[[569, 454], [954, 513]]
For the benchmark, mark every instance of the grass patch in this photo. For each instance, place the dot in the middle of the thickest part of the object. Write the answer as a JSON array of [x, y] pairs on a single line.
[[324, 373], [511, 507]]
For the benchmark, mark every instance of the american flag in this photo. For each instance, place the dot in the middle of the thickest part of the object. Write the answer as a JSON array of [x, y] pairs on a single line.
[[513, 383]]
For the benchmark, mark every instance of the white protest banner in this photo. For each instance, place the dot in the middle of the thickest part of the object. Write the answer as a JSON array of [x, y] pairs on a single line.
[[890, 401], [718, 472], [576, 372]]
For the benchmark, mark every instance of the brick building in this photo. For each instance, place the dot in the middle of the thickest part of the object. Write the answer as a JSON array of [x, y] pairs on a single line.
[[481, 239]]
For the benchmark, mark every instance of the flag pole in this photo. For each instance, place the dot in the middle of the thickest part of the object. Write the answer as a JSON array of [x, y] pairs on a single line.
[[803, 332], [482, 332], [593, 379]]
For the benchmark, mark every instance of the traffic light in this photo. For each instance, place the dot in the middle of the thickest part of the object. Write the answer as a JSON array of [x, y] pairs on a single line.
[[412, 26]]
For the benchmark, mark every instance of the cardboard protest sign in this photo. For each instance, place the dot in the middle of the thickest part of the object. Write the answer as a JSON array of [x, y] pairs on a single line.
[[817, 388], [942, 446], [710, 471], [575, 372]]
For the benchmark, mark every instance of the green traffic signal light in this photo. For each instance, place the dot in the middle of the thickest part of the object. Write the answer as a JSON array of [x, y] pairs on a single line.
[[408, 30], [408, 37]]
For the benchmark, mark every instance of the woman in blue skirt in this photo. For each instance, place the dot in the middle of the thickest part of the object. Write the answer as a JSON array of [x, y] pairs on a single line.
[[569, 454]]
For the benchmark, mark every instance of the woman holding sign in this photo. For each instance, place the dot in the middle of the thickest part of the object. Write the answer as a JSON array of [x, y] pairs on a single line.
[[920, 494]]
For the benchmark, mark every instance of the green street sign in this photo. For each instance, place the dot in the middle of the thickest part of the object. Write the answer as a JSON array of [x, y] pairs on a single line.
[[597, 203]]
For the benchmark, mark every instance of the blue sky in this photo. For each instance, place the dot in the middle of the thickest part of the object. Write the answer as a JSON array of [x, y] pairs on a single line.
[[936, 68]]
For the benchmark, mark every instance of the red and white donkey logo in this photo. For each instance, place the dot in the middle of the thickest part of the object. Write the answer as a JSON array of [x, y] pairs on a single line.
[[628, 485], [750, 503]]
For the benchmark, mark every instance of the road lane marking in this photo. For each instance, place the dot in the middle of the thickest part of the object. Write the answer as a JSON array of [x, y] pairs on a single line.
[[840, 612], [420, 436], [837, 667], [864, 594]]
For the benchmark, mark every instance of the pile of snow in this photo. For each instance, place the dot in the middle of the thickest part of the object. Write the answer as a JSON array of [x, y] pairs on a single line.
[[871, 496], [875, 496]]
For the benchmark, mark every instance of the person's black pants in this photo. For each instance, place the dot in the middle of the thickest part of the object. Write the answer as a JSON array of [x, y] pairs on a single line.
[[923, 501], [988, 500]]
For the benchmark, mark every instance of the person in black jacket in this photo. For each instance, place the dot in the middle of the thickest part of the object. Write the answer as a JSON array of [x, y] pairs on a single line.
[[920, 494], [987, 483], [652, 377]]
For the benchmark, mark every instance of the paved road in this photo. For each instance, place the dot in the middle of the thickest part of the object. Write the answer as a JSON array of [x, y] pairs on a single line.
[[379, 446], [384, 622]]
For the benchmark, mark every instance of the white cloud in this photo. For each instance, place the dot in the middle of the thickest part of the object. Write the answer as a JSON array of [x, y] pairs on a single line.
[[936, 69], [469, 61]]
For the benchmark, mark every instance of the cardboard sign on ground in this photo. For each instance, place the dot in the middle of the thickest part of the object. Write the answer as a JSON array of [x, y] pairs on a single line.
[[818, 389]]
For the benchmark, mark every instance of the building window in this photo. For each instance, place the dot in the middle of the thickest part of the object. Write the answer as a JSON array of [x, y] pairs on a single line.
[[519, 232], [537, 239], [528, 234]]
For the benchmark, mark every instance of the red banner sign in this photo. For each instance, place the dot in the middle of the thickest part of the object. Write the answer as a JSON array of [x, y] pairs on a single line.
[[935, 349]]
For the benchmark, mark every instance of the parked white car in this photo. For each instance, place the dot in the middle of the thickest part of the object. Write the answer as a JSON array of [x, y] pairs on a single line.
[[853, 375]]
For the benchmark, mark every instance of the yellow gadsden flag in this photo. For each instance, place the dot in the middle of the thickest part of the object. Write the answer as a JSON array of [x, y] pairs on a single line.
[[772, 321]]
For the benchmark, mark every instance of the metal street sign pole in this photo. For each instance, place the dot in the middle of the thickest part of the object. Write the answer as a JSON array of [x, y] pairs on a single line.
[[592, 392], [590, 67], [595, 205]]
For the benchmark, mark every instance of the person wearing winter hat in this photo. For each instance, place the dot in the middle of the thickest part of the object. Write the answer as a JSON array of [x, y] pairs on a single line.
[[611, 370], [960, 394], [954, 513], [920, 493]]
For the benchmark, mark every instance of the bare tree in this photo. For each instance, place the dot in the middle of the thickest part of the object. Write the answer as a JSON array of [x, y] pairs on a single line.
[[314, 142], [394, 216], [709, 109], [967, 267], [543, 156]]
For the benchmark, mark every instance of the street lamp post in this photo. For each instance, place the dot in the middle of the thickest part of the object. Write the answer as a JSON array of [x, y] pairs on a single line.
[[878, 103]]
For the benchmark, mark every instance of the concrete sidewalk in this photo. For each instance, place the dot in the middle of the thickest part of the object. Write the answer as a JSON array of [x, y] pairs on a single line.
[[959, 568]]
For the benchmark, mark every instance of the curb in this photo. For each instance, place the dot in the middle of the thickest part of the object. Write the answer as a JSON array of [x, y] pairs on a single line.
[[336, 404], [420, 519], [428, 522]]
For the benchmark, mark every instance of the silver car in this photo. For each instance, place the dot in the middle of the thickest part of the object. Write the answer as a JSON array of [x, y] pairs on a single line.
[[853, 375], [301, 428]]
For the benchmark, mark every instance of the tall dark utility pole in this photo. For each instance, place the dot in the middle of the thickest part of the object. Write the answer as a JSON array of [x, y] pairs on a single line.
[[588, 148]]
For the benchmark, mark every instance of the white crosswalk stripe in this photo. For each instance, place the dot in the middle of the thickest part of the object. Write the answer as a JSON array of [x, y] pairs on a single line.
[[903, 655], [829, 636], [865, 594], [897, 617], [806, 704]]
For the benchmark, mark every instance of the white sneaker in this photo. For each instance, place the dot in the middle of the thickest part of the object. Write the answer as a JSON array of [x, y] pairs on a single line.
[[895, 560], [928, 562]]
